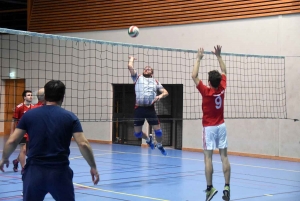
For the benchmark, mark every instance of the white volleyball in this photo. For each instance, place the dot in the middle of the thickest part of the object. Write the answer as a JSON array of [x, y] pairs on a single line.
[[133, 31]]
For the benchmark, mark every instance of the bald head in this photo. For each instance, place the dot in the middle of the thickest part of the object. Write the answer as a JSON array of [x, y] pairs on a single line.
[[40, 94]]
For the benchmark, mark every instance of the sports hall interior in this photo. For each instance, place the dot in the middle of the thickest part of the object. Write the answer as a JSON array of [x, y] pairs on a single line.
[[260, 46]]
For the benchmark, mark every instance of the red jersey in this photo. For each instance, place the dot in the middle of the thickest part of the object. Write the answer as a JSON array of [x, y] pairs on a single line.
[[20, 111], [39, 104], [213, 103]]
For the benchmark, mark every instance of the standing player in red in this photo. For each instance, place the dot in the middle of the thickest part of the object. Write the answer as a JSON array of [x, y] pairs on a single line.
[[41, 101], [18, 113], [214, 129], [40, 96]]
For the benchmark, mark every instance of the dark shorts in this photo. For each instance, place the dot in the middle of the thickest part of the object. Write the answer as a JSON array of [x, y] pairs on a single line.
[[23, 141], [142, 113], [38, 180]]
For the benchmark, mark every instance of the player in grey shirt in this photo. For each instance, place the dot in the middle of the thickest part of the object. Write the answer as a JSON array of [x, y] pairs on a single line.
[[145, 90]]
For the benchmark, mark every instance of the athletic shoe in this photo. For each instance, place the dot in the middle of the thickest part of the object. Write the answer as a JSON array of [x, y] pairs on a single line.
[[162, 150], [226, 193], [210, 194], [150, 143], [15, 163]]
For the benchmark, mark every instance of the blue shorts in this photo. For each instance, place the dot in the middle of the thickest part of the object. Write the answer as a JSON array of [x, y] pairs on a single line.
[[38, 180], [142, 113]]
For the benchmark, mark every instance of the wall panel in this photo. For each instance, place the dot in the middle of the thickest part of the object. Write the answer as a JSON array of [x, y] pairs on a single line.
[[91, 15]]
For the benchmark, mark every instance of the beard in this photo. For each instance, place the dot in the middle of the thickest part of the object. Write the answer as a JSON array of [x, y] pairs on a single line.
[[147, 75]]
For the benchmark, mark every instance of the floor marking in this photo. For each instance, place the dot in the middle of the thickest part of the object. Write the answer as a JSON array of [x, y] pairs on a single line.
[[192, 159], [262, 167], [120, 193], [76, 157], [268, 195]]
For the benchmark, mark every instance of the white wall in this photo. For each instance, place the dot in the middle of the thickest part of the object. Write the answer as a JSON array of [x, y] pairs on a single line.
[[277, 35]]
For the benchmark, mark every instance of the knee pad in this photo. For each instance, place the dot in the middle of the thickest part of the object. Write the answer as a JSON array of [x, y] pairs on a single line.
[[138, 135], [158, 133]]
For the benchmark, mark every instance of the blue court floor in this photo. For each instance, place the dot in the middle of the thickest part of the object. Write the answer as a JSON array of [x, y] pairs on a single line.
[[133, 173]]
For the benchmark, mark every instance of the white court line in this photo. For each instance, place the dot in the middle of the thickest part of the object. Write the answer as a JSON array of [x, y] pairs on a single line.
[[192, 159], [76, 157], [120, 193]]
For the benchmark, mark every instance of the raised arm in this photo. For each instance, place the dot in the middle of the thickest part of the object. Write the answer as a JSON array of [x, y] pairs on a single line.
[[197, 65], [130, 66], [217, 52]]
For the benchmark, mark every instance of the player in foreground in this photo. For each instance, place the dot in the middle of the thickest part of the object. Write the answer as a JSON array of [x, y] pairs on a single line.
[[50, 129], [214, 129]]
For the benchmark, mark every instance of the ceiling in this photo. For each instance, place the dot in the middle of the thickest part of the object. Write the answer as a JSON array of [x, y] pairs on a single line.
[[13, 14]]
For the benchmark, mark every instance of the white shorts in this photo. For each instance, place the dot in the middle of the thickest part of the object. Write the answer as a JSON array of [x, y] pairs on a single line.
[[214, 137]]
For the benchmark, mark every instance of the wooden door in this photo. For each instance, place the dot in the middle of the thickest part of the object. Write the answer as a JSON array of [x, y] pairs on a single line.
[[13, 96]]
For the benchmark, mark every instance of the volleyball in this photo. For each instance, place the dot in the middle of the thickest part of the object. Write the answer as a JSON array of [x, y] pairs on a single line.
[[133, 31]]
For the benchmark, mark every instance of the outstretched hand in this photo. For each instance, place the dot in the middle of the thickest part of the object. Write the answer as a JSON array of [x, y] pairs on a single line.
[[2, 163], [217, 51], [200, 53], [131, 58], [95, 175]]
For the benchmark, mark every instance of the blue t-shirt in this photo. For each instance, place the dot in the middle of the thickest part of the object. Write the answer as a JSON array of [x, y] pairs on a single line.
[[50, 129]]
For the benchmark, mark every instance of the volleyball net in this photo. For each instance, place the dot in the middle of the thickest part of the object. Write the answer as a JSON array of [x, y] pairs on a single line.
[[99, 85]]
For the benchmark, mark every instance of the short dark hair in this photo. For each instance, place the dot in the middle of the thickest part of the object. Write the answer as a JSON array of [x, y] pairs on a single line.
[[25, 92], [54, 91], [214, 77]]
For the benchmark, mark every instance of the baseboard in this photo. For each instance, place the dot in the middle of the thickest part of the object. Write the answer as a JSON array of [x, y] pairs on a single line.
[[100, 141], [248, 155], [2, 134]]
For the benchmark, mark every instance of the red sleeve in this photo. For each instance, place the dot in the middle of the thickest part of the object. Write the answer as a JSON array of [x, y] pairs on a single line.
[[223, 81], [201, 88], [16, 113]]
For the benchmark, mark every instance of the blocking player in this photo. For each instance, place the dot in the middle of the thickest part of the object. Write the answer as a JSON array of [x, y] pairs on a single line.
[[214, 129]]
